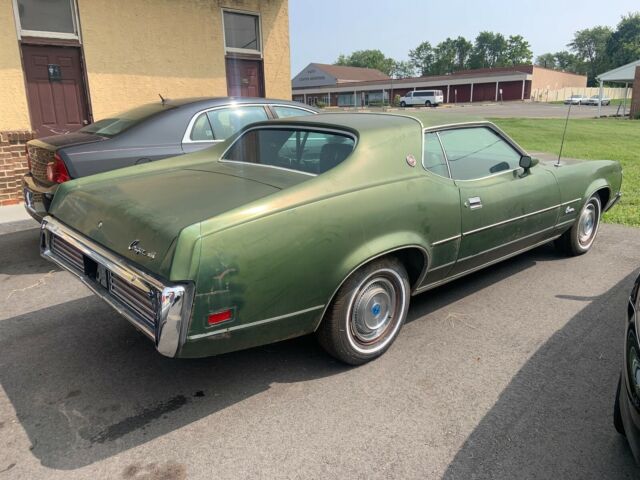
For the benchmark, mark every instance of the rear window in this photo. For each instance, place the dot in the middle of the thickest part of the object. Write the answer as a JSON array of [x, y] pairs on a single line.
[[308, 151], [109, 127]]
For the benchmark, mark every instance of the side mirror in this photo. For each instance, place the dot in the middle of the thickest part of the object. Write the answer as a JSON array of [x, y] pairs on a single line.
[[526, 163]]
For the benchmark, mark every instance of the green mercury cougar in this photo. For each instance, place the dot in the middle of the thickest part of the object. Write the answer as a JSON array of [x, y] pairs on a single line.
[[325, 224]]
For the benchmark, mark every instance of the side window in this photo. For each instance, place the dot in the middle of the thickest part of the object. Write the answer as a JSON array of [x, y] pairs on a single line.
[[284, 112], [227, 121], [201, 131], [477, 152], [434, 159], [302, 150]]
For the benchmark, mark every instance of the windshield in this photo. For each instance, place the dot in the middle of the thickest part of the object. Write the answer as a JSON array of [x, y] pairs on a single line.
[[110, 127]]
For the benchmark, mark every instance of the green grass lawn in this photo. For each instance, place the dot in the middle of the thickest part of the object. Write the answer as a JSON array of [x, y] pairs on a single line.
[[592, 139]]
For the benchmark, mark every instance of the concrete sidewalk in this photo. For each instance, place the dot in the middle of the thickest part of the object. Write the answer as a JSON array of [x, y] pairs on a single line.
[[13, 213]]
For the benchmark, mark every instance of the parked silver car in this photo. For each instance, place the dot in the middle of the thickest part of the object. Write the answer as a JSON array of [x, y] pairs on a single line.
[[576, 100], [594, 100]]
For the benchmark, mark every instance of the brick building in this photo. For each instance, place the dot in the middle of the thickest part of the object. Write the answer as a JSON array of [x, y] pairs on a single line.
[[480, 85], [64, 63]]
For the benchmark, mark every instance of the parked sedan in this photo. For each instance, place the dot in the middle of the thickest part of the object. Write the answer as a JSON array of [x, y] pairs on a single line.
[[595, 100], [626, 414], [575, 100], [150, 132], [326, 223]]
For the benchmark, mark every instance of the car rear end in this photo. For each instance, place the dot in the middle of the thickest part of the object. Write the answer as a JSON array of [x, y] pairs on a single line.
[[47, 170], [438, 97]]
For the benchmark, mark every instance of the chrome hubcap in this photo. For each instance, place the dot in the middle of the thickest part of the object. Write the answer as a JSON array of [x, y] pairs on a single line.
[[373, 309], [587, 224]]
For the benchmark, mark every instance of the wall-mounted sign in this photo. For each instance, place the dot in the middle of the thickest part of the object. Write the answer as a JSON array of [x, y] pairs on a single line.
[[55, 74]]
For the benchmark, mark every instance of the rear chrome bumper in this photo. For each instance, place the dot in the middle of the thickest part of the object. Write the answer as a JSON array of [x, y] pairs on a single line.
[[36, 197], [159, 309]]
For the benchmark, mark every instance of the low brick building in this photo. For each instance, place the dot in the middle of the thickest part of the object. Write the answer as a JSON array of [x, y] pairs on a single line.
[[64, 63], [480, 85]]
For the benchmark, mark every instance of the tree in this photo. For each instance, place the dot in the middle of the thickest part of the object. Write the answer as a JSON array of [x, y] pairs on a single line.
[[518, 50], [444, 57], [368, 59], [422, 58], [546, 60], [489, 50], [403, 69], [623, 46], [463, 51], [590, 45], [568, 62]]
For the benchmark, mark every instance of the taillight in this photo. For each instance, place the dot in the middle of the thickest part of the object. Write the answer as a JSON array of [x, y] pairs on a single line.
[[57, 171], [26, 152]]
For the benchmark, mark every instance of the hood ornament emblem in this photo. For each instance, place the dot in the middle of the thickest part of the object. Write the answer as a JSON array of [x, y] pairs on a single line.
[[138, 250]]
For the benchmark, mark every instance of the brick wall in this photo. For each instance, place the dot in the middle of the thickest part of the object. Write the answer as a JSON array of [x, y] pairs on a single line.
[[13, 165], [635, 99]]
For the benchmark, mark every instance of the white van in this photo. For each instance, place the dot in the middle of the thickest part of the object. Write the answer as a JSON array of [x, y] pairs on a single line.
[[428, 98]]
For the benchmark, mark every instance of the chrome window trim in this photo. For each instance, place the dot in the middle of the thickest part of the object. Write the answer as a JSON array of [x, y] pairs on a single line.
[[281, 127], [186, 138], [253, 324], [444, 154]]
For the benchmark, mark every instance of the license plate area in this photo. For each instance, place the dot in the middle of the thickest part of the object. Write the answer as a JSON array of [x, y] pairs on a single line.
[[97, 272]]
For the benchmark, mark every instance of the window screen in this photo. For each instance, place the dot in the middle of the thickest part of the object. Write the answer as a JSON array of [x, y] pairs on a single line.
[[434, 160], [477, 152], [303, 150], [241, 31], [46, 16]]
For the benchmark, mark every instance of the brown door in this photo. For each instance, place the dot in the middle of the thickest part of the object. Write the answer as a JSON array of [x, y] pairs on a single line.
[[244, 78], [55, 89]]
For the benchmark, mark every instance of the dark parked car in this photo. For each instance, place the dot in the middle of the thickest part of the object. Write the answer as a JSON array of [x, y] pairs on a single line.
[[626, 414], [150, 132]]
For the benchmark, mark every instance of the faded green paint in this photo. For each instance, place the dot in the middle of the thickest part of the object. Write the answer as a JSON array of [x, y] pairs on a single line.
[[268, 242]]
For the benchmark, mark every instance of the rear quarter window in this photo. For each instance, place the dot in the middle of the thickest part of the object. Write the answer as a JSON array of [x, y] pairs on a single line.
[[304, 150]]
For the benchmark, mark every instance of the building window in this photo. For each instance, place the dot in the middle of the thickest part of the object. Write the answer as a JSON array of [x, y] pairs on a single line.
[[242, 33], [46, 18]]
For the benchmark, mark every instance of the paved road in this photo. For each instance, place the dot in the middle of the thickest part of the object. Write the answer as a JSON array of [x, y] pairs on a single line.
[[516, 109], [509, 373]]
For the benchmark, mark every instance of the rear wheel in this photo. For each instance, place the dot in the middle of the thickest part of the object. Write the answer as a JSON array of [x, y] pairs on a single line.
[[427, 103], [367, 312], [403, 104], [579, 238]]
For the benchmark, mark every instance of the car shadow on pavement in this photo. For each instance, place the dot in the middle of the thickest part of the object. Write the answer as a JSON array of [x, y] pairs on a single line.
[[20, 253], [536, 429], [85, 385]]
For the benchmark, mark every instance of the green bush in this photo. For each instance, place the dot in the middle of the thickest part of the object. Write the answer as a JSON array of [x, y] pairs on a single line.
[[320, 104]]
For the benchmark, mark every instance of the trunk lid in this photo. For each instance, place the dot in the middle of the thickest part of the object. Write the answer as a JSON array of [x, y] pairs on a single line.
[[152, 208]]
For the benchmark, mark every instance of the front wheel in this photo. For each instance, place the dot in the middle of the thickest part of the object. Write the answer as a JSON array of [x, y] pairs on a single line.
[[367, 312], [578, 239]]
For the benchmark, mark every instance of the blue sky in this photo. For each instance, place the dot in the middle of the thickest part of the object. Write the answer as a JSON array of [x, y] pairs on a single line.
[[323, 29]]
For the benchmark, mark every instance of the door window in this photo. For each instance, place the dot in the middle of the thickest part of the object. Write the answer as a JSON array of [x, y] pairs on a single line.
[[302, 150], [434, 159], [477, 152], [284, 112]]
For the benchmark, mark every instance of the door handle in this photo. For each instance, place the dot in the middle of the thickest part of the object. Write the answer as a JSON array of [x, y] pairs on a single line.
[[473, 203]]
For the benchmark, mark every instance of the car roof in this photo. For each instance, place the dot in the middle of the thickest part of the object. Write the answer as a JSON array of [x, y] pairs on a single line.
[[205, 102]]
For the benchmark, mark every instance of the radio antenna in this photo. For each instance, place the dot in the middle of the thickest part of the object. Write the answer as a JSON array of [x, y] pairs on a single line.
[[162, 99], [564, 132]]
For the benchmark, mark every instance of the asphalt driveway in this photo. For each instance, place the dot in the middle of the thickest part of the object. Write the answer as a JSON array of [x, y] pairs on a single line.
[[508, 373]]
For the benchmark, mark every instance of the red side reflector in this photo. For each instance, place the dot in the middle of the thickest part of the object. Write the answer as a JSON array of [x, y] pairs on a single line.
[[220, 317]]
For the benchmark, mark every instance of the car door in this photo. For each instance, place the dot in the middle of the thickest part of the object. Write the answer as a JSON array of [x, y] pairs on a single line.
[[503, 208], [217, 124]]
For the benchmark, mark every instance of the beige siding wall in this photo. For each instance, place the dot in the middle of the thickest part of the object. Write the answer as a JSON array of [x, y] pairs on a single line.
[[14, 113], [553, 80], [175, 48]]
